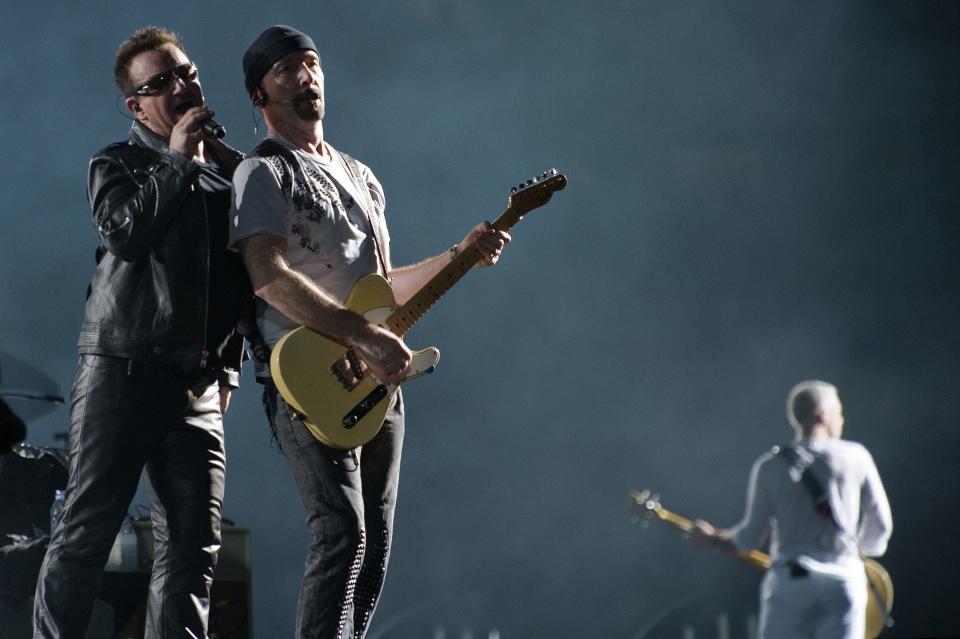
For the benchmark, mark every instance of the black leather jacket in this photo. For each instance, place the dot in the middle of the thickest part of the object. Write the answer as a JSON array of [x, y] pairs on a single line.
[[151, 295]]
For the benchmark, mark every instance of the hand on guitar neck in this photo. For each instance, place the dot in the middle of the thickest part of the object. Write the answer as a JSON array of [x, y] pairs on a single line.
[[705, 534], [489, 241], [648, 506]]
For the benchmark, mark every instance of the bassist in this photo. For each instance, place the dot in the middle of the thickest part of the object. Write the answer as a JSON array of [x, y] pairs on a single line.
[[823, 506]]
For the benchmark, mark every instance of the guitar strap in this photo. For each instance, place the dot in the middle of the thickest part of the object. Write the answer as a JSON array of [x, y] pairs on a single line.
[[801, 463], [368, 209], [269, 148]]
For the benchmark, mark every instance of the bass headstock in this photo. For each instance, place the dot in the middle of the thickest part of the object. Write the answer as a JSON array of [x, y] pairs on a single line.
[[536, 191], [644, 505]]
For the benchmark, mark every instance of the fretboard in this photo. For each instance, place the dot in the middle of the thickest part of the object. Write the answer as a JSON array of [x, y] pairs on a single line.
[[402, 319], [755, 558]]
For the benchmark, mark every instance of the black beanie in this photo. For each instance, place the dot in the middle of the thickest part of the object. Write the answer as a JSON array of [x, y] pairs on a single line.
[[271, 45]]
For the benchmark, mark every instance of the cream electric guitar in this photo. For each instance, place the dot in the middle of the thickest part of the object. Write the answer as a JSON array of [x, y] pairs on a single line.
[[302, 362], [879, 584]]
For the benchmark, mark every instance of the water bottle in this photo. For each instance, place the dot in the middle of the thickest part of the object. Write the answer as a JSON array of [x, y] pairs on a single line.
[[127, 540], [56, 509], [123, 553]]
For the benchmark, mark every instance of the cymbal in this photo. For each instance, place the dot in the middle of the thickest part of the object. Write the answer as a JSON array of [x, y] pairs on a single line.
[[27, 391]]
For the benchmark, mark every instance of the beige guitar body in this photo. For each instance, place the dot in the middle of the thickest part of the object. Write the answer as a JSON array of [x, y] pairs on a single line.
[[301, 368], [879, 584], [879, 597]]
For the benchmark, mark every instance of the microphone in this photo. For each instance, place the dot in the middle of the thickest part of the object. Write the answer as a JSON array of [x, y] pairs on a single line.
[[211, 129]]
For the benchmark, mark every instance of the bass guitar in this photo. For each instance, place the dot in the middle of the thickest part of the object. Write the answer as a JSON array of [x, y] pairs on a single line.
[[303, 361], [879, 585]]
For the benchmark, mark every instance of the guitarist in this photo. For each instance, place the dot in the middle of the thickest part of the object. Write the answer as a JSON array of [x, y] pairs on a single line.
[[823, 506], [309, 223]]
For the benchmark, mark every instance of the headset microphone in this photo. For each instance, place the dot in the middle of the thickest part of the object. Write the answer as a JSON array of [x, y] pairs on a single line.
[[263, 100]]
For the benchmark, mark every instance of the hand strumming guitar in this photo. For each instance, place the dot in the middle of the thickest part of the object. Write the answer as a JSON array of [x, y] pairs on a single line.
[[705, 534], [379, 350]]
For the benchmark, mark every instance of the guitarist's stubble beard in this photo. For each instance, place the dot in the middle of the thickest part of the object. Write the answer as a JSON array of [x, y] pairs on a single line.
[[301, 117], [309, 106]]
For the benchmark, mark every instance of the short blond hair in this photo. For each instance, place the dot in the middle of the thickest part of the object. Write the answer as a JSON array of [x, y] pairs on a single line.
[[805, 400]]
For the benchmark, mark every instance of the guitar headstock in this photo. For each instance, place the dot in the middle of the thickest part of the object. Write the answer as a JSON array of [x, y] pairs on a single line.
[[536, 191], [644, 504]]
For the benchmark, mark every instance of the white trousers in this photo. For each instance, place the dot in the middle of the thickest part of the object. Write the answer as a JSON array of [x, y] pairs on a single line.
[[815, 606]]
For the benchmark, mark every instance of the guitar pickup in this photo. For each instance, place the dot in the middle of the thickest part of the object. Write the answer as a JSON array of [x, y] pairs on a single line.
[[354, 362], [355, 367], [365, 406]]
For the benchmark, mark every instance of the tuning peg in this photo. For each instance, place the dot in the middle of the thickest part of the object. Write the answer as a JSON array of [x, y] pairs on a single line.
[[513, 190]]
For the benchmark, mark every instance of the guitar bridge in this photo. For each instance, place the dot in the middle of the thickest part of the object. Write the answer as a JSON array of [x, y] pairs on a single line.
[[365, 406]]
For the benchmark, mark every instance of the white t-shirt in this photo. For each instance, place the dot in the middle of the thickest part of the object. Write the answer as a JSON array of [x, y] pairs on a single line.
[[329, 237], [781, 508]]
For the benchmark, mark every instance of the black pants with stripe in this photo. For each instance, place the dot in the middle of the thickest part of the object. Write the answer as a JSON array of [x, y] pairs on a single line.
[[349, 498]]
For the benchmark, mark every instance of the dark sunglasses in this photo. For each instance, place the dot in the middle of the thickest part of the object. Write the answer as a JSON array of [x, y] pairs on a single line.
[[186, 72]]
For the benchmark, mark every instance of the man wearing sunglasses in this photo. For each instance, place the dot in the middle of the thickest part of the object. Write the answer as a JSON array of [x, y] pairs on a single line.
[[159, 353]]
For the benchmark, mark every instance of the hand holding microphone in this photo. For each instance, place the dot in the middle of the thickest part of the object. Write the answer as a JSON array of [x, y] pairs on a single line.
[[195, 125]]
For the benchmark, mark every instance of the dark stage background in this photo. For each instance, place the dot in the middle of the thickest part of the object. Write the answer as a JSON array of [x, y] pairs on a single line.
[[759, 193]]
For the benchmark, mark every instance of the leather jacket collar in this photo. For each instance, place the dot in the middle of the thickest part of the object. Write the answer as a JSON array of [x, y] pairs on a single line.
[[225, 155], [142, 136]]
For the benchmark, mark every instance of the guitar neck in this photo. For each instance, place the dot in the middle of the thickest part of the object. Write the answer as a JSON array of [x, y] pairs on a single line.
[[755, 558], [404, 317]]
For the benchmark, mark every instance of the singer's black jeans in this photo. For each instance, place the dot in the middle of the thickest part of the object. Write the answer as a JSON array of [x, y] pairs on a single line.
[[349, 516], [124, 418]]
